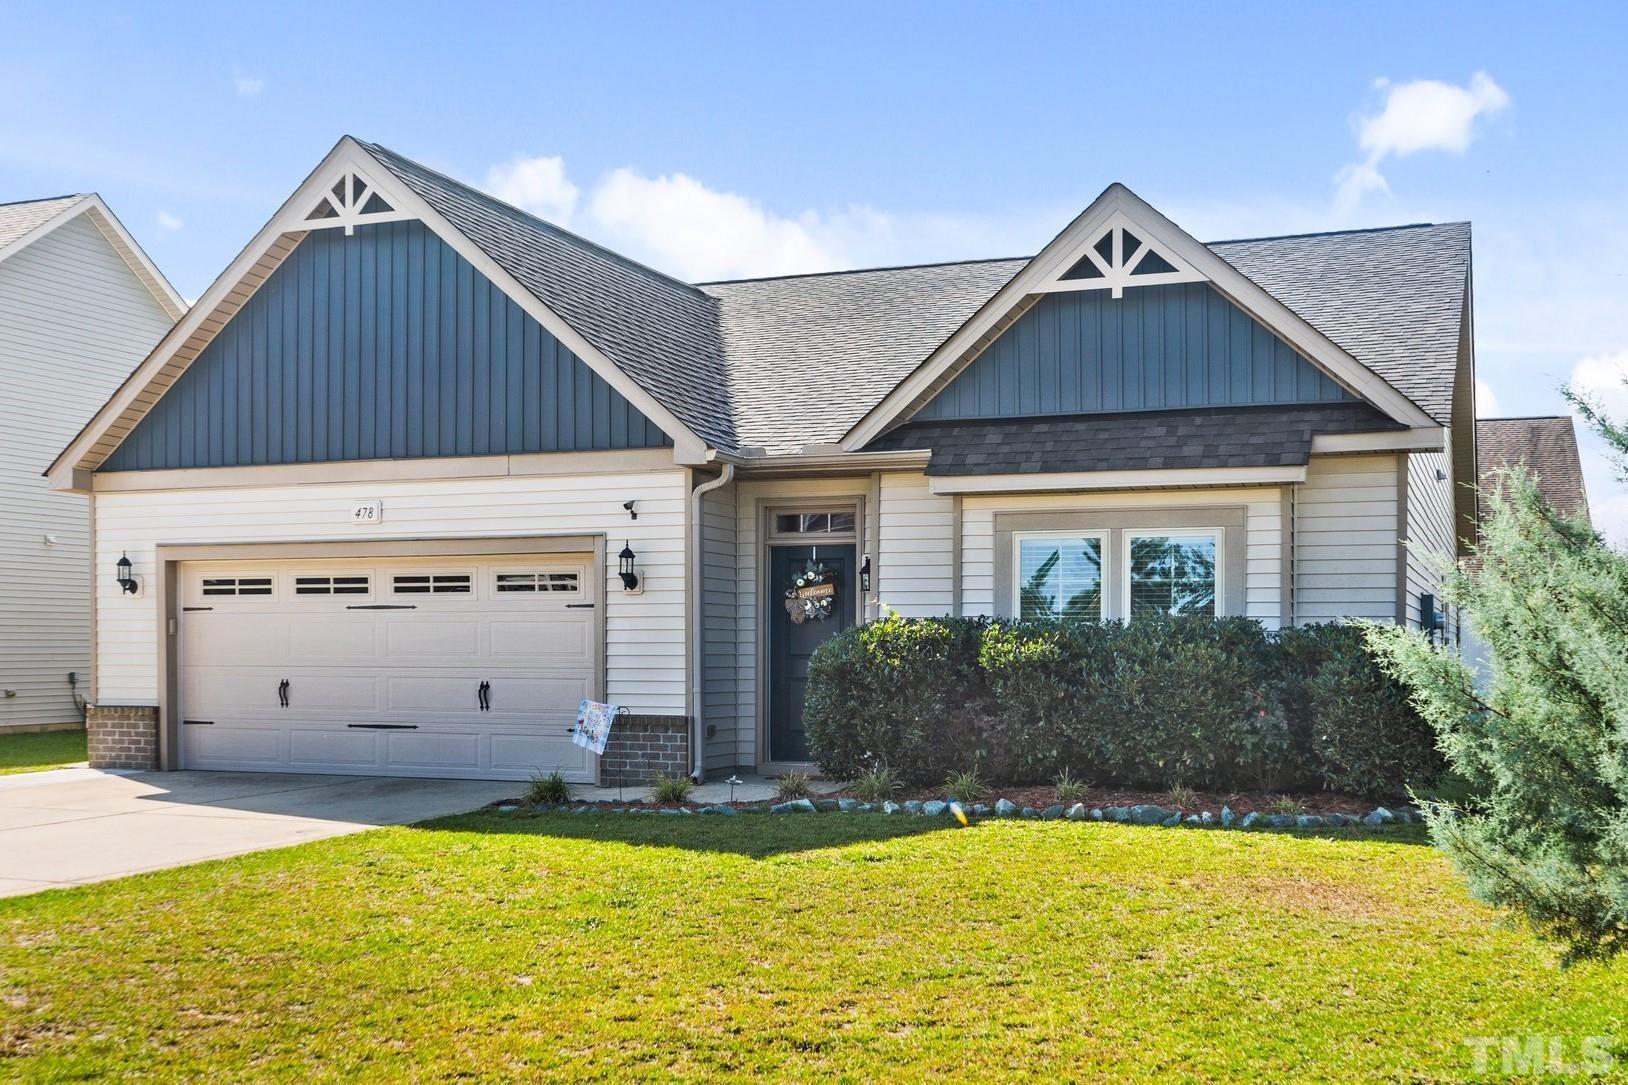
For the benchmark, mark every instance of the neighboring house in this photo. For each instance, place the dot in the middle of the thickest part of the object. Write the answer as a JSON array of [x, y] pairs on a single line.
[[1546, 447], [80, 305], [419, 472]]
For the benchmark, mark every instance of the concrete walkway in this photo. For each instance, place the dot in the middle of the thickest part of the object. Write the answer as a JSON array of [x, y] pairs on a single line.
[[73, 826]]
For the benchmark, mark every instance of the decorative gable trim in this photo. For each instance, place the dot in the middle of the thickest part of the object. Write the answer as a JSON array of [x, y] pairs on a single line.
[[352, 200], [264, 254], [1119, 207], [1119, 257]]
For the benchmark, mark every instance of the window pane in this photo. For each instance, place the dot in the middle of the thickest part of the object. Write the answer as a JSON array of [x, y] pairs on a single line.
[[1172, 574], [803, 523], [1060, 578]]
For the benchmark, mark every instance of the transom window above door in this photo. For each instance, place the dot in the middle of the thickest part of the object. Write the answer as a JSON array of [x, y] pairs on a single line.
[[834, 522], [1060, 576], [1171, 574]]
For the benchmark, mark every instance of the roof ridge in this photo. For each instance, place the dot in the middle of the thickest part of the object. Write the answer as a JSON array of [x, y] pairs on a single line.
[[1340, 233], [861, 270], [522, 212], [1527, 418], [47, 199]]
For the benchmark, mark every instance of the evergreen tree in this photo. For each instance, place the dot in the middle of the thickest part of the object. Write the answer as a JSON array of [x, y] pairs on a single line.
[[1546, 747]]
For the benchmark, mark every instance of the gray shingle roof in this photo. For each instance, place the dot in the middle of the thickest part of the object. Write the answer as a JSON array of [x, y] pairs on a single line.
[[1392, 298], [1547, 447], [17, 219], [662, 333], [789, 362], [1139, 440], [810, 354]]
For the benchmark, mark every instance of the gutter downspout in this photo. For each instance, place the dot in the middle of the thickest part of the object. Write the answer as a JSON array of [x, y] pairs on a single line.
[[698, 660]]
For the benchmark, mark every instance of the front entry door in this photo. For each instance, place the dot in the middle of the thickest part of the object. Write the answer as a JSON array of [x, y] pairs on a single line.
[[791, 644]]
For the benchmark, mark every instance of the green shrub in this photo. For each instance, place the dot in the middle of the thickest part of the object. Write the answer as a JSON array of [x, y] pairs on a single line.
[[898, 692], [549, 790], [1067, 788], [1165, 701], [794, 785], [876, 784], [1360, 729], [965, 787], [664, 788]]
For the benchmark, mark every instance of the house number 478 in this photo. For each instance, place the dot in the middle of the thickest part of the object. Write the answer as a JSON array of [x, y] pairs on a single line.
[[367, 512]]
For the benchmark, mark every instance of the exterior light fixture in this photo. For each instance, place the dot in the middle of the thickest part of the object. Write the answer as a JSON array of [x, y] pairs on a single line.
[[865, 576], [126, 581], [630, 579]]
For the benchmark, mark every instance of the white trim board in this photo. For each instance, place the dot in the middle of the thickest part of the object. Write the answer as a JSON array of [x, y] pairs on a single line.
[[265, 253], [1119, 205], [1115, 480]]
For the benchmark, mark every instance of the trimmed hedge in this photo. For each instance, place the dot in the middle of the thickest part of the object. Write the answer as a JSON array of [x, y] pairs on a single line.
[[1213, 703]]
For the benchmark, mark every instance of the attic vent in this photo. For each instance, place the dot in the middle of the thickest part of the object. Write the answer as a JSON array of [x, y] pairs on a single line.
[[1120, 256], [349, 202]]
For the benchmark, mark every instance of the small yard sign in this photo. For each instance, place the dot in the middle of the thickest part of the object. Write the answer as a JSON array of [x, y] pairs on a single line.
[[593, 725], [367, 512]]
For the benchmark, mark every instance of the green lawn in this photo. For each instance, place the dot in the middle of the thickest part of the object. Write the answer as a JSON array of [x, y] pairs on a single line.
[[825, 947], [40, 750]]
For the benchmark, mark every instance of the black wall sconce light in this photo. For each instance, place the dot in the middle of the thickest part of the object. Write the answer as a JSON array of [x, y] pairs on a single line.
[[624, 560], [631, 512], [127, 583], [865, 576], [1432, 621]]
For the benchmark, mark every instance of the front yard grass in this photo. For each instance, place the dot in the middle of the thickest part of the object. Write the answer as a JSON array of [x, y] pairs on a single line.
[[802, 947], [40, 750]]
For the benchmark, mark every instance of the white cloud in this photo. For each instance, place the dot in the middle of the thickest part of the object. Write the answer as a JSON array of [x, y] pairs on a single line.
[[1602, 379], [167, 221], [1486, 402], [677, 223], [538, 185], [247, 86], [1424, 115]]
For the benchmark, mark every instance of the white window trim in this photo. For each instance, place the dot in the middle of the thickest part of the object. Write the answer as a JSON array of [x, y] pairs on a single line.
[[1102, 535], [1131, 534]]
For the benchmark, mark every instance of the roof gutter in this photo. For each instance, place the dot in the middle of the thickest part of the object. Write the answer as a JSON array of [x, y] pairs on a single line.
[[859, 463], [698, 660]]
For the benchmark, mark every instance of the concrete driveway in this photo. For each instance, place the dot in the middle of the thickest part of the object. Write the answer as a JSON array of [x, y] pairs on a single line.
[[72, 826]]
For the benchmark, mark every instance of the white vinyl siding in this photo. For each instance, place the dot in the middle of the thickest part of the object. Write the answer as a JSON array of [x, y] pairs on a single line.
[[1346, 533], [721, 631], [1263, 535], [1429, 528], [74, 321], [915, 567], [645, 633]]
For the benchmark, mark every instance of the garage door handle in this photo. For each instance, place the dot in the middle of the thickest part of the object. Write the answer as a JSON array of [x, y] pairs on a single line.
[[579, 606], [383, 606], [383, 726], [483, 696], [282, 692], [199, 723]]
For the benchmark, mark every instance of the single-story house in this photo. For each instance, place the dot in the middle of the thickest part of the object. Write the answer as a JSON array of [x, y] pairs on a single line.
[[420, 472], [80, 306]]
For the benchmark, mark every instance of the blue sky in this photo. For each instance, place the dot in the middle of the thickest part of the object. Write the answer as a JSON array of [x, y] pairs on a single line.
[[727, 139]]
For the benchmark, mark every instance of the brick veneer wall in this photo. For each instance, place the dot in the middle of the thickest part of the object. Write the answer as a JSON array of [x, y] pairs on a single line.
[[641, 746], [122, 736]]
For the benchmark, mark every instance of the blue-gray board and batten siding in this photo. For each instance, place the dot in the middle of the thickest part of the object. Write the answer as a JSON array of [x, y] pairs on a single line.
[[1156, 348], [382, 345]]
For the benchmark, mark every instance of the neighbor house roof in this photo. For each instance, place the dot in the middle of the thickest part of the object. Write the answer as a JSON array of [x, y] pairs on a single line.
[[19, 219], [1546, 446], [27, 221]]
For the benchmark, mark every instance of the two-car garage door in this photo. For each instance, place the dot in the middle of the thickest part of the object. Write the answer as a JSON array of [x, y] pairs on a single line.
[[409, 667]]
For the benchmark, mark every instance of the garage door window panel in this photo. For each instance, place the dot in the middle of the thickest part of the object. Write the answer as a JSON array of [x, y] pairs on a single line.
[[432, 583], [527, 582], [325, 584], [228, 587]]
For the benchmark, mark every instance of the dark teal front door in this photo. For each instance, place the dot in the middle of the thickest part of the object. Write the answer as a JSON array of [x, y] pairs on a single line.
[[791, 644]]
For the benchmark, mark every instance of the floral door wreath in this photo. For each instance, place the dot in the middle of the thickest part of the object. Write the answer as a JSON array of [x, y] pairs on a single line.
[[812, 594]]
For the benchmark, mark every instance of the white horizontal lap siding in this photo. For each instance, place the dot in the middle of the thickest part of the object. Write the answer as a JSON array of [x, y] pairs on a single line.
[[1429, 527], [1263, 537], [645, 634], [74, 320], [915, 564], [1347, 526], [720, 630]]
